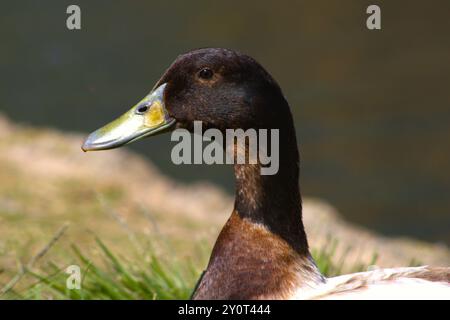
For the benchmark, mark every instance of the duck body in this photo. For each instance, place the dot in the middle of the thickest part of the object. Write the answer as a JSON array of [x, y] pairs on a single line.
[[423, 283], [250, 262], [262, 251]]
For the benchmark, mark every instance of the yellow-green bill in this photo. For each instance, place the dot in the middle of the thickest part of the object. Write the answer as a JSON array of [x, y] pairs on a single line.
[[146, 118]]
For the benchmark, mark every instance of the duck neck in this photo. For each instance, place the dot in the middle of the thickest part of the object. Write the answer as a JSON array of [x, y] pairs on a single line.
[[274, 201], [262, 251]]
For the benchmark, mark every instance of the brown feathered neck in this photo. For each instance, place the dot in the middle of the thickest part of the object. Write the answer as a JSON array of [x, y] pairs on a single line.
[[274, 201], [262, 251]]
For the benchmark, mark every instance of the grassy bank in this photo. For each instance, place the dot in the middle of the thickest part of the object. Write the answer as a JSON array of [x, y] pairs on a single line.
[[142, 274]]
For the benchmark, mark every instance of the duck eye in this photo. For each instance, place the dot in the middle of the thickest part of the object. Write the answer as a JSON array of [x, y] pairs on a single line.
[[142, 109], [205, 73]]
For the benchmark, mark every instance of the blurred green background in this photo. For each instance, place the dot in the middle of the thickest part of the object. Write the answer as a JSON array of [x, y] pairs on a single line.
[[372, 108]]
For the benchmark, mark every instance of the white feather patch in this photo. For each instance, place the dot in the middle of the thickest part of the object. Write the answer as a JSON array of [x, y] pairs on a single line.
[[380, 284]]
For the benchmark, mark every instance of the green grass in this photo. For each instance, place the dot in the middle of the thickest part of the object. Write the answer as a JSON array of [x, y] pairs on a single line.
[[147, 275], [117, 278], [330, 265]]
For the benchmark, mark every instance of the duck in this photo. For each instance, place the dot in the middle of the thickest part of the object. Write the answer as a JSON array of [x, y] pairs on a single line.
[[262, 252]]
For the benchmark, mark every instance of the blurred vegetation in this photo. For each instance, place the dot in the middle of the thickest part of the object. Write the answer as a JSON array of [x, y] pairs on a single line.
[[142, 275]]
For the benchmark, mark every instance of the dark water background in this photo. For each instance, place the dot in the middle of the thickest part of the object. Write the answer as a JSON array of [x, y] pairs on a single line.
[[372, 108]]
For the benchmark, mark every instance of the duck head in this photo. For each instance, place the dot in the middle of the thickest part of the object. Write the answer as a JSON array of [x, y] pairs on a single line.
[[227, 90], [222, 88]]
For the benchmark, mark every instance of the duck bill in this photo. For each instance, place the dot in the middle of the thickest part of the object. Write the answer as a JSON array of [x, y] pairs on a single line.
[[148, 117]]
